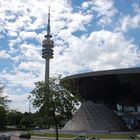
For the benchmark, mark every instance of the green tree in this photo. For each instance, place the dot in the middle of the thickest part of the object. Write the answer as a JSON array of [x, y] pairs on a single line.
[[2, 118], [55, 101], [26, 120], [3, 99], [14, 118], [3, 106]]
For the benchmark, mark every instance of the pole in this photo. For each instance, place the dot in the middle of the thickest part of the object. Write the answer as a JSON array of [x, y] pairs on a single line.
[[29, 98]]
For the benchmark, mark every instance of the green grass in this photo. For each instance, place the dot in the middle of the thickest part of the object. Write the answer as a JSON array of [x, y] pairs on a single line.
[[111, 136], [53, 135], [64, 135]]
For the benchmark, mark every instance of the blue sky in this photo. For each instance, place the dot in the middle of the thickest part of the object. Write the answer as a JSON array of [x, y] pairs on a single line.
[[88, 35]]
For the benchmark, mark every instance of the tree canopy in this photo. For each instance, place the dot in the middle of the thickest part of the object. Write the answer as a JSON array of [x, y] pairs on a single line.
[[3, 106], [3, 99], [54, 98], [54, 101]]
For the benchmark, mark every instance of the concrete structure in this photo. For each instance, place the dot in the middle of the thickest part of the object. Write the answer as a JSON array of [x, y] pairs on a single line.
[[101, 93], [47, 51], [95, 118]]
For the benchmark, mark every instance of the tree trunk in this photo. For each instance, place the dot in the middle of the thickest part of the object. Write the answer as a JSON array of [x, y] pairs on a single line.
[[56, 127], [56, 130]]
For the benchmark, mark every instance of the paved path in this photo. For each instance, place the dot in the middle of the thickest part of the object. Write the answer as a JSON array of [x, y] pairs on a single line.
[[15, 136]]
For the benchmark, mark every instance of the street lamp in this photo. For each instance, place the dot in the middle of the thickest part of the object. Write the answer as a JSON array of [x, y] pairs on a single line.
[[27, 136]]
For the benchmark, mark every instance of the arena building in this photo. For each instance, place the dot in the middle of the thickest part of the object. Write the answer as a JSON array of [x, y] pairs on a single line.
[[110, 100]]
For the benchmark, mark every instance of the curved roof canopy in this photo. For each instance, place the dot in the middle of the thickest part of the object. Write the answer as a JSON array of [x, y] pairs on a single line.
[[110, 86]]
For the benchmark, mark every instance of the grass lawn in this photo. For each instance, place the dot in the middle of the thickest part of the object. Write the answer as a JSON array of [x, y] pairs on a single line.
[[62, 135], [53, 135]]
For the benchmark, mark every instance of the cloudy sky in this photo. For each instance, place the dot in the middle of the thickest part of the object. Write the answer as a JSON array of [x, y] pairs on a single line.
[[89, 35]]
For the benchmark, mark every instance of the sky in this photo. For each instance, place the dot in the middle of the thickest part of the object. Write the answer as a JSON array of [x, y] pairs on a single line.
[[88, 35]]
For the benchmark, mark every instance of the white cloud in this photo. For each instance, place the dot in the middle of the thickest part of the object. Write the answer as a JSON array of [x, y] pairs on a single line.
[[30, 52], [4, 54], [77, 21], [14, 42], [27, 35], [17, 25], [105, 11], [13, 15], [128, 22], [85, 5], [30, 15], [19, 102], [12, 33], [35, 70], [30, 65], [28, 68], [21, 78], [100, 50], [136, 7], [131, 22]]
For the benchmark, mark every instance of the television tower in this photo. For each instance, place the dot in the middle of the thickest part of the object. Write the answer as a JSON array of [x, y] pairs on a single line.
[[47, 51]]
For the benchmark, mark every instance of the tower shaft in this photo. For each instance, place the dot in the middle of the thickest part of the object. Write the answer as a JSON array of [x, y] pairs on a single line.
[[47, 65]]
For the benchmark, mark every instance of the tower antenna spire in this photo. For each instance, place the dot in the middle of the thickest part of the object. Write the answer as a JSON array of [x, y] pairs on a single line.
[[48, 30], [48, 27]]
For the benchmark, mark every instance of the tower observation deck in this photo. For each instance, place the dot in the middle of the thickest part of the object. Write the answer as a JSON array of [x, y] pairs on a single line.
[[47, 51]]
